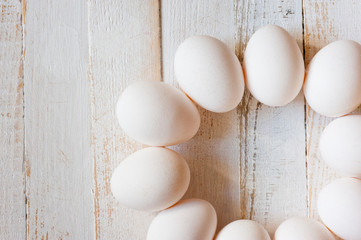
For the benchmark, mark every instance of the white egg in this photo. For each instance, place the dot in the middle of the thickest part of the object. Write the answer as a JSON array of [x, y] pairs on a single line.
[[299, 228], [340, 145], [191, 219], [243, 229], [209, 73], [339, 207], [151, 179], [157, 114], [333, 82], [273, 66]]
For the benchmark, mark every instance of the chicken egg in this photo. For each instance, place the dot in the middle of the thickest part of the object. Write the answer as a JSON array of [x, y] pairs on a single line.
[[273, 66], [191, 219], [301, 228], [151, 179], [209, 73], [157, 114], [333, 82], [339, 207], [340, 145], [243, 229]]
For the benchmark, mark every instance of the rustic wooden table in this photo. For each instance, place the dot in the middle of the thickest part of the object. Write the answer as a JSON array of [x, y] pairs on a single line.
[[63, 65]]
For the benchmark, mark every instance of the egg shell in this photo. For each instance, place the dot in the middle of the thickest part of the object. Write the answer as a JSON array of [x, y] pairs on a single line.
[[209, 73], [301, 228], [273, 66], [151, 179], [333, 82], [339, 207], [157, 114], [191, 219], [243, 229], [340, 145]]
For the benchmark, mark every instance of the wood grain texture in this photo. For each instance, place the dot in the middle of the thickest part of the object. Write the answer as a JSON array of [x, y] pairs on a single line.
[[124, 48], [12, 174], [214, 153], [273, 169], [68, 71], [325, 22], [57, 125]]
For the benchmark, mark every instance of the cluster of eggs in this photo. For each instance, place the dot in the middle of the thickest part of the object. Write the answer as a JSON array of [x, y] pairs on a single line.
[[210, 75]]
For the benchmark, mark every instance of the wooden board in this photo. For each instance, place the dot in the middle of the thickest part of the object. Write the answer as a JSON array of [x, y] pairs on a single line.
[[63, 65], [124, 48], [214, 153], [273, 170], [57, 123], [325, 22], [12, 176]]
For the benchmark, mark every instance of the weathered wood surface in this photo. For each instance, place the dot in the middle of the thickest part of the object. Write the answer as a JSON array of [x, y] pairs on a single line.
[[124, 48], [214, 153], [325, 22], [57, 121], [273, 170], [12, 175], [66, 63]]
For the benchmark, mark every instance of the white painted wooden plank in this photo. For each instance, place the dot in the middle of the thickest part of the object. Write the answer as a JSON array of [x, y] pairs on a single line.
[[273, 167], [57, 124], [12, 174], [214, 153], [124, 48], [325, 22]]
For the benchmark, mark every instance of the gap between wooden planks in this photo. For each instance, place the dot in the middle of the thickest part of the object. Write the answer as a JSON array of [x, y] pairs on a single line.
[[248, 163]]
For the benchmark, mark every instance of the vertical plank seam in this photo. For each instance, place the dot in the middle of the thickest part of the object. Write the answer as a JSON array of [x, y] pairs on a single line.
[[235, 9], [160, 40], [238, 109], [22, 61], [305, 104], [94, 189], [242, 112]]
